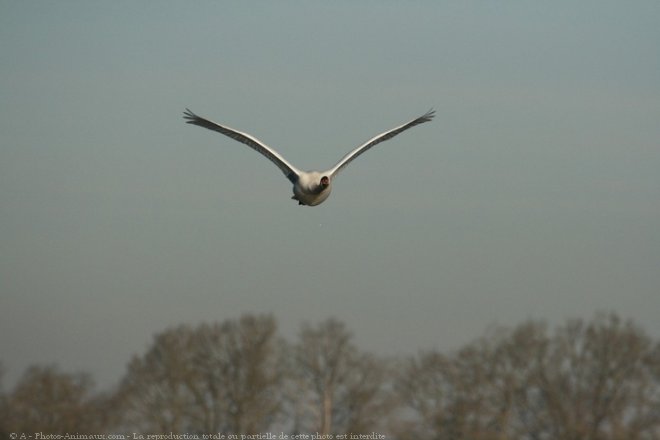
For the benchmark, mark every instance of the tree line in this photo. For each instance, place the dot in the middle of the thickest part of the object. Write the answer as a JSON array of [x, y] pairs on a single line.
[[595, 379]]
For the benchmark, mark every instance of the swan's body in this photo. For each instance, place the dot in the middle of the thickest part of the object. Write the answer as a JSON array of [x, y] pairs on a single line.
[[309, 187]]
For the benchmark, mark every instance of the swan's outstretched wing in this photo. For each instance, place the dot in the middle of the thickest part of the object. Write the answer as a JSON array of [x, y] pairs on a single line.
[[378, 139], [289, 170]]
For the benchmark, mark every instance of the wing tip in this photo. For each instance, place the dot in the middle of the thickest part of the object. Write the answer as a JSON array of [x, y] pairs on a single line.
[[189, 116], [429, 115]]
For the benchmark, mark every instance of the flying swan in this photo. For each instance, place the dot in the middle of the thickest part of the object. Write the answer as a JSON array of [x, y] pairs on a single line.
[[309, 187]]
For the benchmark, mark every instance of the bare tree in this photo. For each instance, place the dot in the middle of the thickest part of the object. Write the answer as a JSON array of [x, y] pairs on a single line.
[[467, 395], [240, 367], [340, 389], [215, 378], [48, 400], [587, 381], [598, 382], [424, 390], [155, 392]]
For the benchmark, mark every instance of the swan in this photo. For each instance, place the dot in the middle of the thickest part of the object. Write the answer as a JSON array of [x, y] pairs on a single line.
[[310, 188]]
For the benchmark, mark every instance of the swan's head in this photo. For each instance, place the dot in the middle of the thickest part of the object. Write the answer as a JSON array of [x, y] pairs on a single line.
[[325, 182]]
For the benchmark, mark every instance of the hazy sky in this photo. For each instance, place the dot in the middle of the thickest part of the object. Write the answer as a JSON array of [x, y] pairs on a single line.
[[535, 192]]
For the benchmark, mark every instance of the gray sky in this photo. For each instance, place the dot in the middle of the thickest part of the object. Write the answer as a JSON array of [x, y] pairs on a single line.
[[533, 194]]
